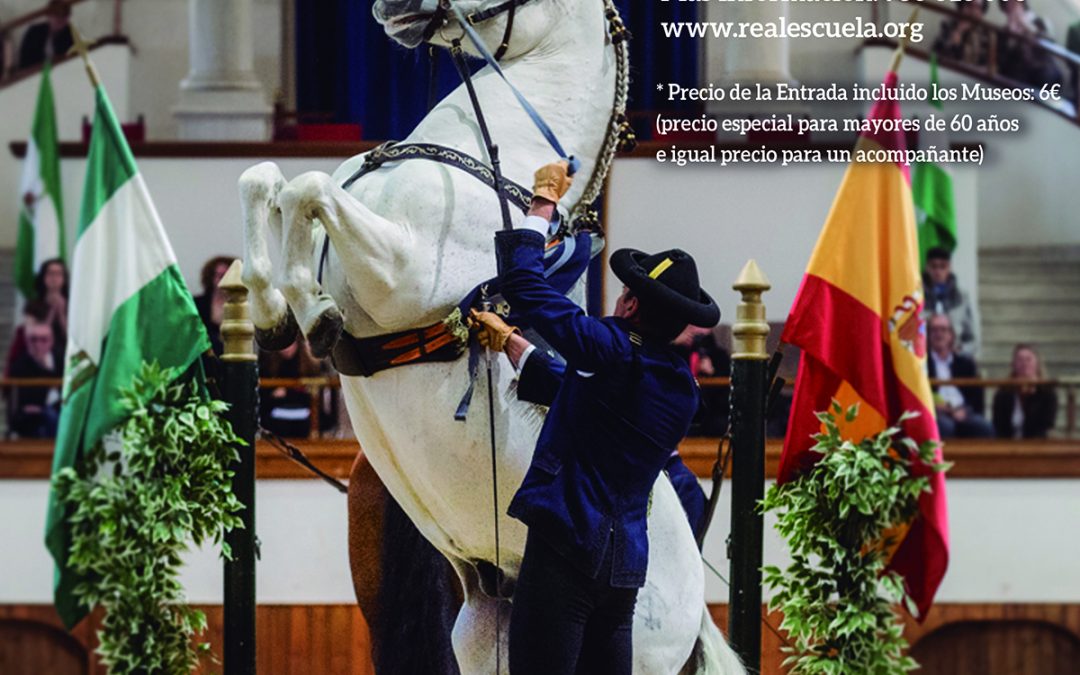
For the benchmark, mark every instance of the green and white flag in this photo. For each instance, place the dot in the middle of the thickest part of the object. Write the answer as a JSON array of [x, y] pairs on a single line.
[[129, 304], [932, 191], [41, 208]]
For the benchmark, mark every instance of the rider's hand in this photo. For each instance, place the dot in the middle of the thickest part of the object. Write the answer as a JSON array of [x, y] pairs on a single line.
[[552, 181], [491, 330]]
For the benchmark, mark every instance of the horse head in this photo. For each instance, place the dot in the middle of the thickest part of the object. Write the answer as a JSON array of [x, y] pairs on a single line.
[[520, 25]]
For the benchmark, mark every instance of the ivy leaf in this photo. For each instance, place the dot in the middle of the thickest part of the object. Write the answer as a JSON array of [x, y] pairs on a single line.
[[168, 483], [837, 518]]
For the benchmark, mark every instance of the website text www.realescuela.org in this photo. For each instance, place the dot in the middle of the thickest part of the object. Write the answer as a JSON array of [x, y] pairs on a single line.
[[783, 28]]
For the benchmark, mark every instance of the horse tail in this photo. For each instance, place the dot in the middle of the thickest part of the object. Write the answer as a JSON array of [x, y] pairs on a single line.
[[417, 602], [712, 654]]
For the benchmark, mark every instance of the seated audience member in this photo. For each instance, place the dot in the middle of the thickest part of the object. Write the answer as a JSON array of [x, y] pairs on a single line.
[[943, 296], [962, 39], [35, 411], [35, 311], [707, 359], [1018, 57], [51, 286], [47, 40], [286, 411], [1028, 410], [959, 409], [211, 303]]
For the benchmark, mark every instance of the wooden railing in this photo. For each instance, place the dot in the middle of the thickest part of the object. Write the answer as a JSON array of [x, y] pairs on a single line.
[[991, 72], [316, 385], [31, 459], [8, 35]]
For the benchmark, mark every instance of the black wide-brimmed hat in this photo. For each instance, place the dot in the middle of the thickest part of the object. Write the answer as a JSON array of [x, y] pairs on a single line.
[[667, 281]]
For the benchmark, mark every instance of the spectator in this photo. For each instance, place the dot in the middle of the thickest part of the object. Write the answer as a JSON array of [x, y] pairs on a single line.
[[49, 39], [52, 286], [35, 311], [35, 411], [959, 409], [286, 411], [962, 39], [1027, 410], [707, 359], [1020, 58], [943, 296], [211, 303]]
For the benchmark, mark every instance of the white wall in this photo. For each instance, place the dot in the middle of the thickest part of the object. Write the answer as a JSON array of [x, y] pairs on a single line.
[[301, 526], [1006, 542], [1005, 546]]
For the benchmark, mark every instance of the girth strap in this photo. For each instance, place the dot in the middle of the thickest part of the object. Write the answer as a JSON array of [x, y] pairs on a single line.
[[363, 357]]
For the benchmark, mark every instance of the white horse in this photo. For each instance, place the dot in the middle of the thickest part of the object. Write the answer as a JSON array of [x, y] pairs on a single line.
[[407, 243]]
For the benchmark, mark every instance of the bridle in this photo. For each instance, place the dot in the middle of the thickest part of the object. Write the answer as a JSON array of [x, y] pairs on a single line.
[[442, 14]]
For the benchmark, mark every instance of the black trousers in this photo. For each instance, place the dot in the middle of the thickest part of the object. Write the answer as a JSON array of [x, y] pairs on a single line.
[[564, 623]]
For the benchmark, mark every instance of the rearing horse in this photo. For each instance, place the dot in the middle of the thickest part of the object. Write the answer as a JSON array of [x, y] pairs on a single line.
[[406, 244]]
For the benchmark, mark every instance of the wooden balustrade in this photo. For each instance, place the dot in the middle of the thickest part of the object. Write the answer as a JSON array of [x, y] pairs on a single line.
[[31, 459], [32, 16], [991, 71], [9, 28], [316, 385]]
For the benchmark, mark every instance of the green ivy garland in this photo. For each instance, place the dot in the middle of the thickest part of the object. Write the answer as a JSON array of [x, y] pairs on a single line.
[[137, 500], [836, 597]]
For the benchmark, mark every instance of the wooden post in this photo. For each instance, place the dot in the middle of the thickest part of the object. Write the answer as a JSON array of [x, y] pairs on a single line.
[[749, 388], [240, 389]]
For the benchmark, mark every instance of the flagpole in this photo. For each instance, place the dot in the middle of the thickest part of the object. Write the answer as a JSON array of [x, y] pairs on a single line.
[[239, 388], [81, 48], [898, 55], [749, 387]]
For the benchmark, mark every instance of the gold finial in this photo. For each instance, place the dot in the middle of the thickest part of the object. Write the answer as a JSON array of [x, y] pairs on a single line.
[[237, 330], [82, 48], [751, 329], [898, 55]]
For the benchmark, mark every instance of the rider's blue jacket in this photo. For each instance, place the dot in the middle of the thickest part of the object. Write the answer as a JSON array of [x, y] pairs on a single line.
[[615, 420], [539, 380]]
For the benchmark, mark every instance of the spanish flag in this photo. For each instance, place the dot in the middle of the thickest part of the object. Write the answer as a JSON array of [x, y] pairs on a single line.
[[857, 320]]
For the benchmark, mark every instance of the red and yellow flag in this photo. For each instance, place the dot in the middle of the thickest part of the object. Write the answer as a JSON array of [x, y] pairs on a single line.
[[857, 320]]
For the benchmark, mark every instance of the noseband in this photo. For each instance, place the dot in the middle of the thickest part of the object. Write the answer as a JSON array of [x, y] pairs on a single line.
[[441, 17]]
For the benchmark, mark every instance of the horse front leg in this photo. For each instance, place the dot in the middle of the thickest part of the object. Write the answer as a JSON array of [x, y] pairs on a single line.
[[275, 326], [372, 250], [303, 202]]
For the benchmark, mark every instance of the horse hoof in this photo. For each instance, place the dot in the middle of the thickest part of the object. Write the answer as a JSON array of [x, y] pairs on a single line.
[[324, 333], [280, 336]]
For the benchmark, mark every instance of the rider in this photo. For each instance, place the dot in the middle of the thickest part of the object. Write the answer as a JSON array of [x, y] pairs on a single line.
[[623, 406]]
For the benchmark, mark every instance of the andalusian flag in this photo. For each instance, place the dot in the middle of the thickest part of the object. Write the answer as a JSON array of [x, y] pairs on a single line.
[[41, 212], [129, 304], [857, 319], [932, 190]]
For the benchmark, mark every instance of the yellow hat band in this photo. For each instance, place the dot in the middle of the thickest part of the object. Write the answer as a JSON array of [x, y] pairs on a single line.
[[661, 268]]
